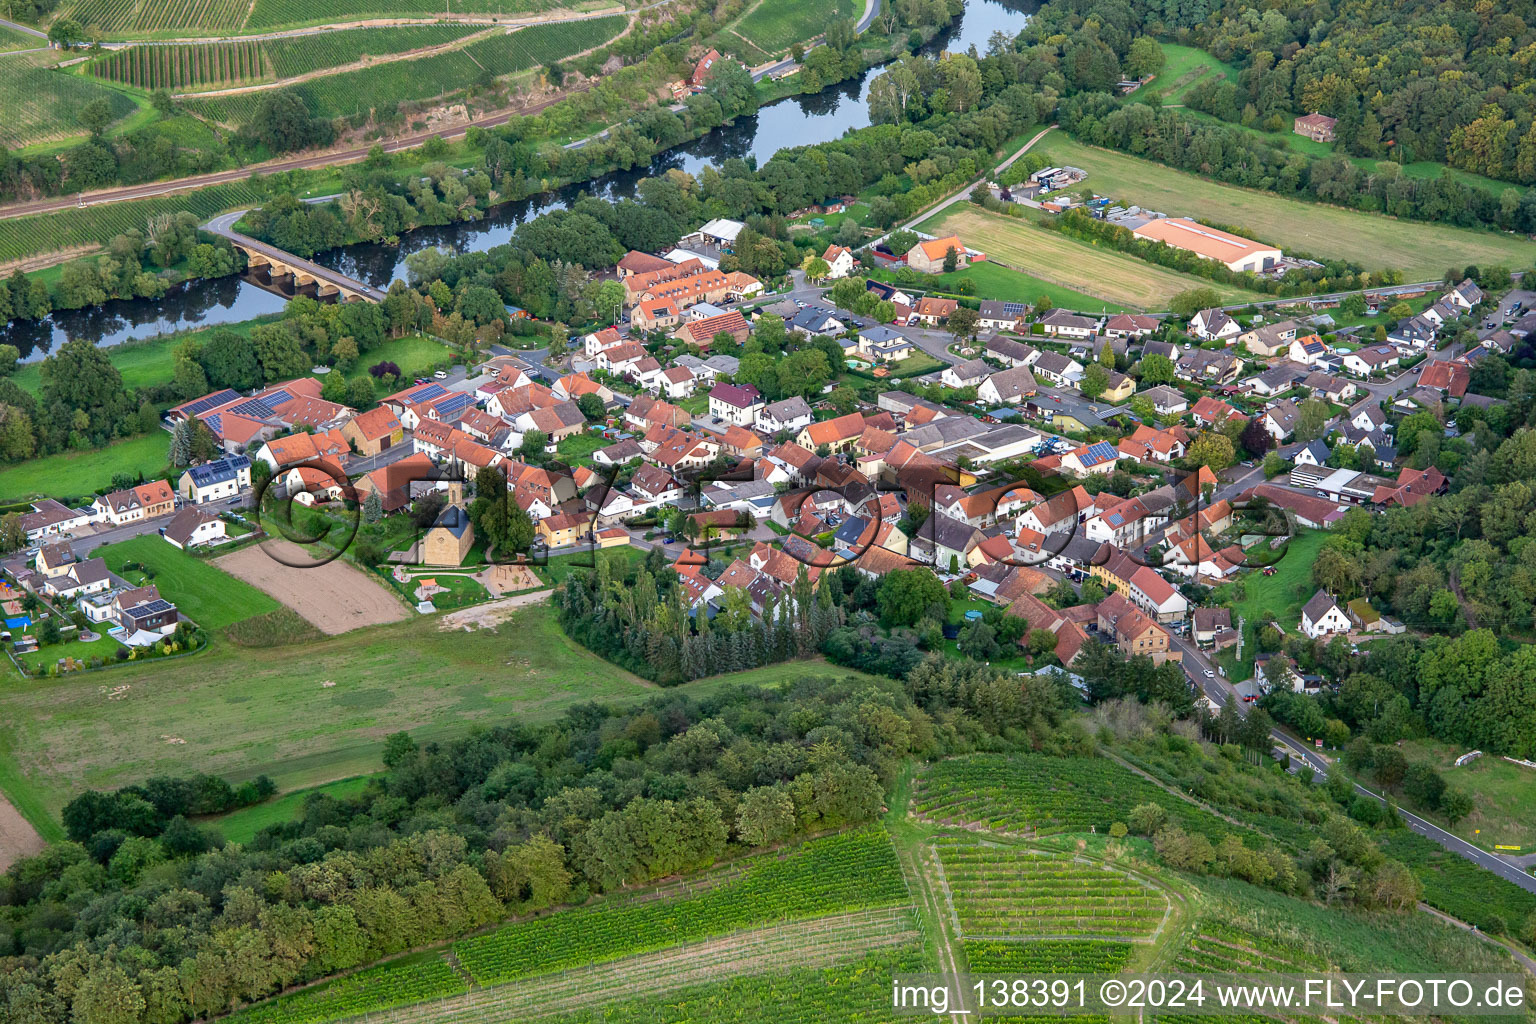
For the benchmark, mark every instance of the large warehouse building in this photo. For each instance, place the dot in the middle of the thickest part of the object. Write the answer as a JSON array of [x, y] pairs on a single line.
[[1236, 252]]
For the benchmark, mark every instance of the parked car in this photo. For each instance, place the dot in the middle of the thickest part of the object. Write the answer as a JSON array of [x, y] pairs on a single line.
[[441, 375]]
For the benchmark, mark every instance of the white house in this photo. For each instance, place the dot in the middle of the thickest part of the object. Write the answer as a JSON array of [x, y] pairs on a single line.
[[791, 414], [735, 403], [1214, 325], [193, 526], [967, 374], [840, 261], [1322, 616], [1371, 359], [220, 479]]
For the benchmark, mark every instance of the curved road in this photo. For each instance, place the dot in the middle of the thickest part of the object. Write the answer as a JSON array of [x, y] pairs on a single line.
[[1220, 690], [224, 226]]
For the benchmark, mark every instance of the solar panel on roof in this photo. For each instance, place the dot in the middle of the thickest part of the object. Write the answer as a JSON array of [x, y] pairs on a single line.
[[216, 423], [455, 403], [153, 607], [254, 408], [212, 401], [429, 392], [1016, 308], [278, 397]]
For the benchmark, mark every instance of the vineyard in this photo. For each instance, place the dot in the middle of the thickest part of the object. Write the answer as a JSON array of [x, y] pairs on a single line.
[[10, 39], [1002, 892], [775, 25], [1217, 948], [41, 104], [1071, 956], [280, 13], [768, 951], [381, 89], [1035, 794], [160, 15], [202, 66], [847, 872], [299, 55], [637, 936], [21, 237]]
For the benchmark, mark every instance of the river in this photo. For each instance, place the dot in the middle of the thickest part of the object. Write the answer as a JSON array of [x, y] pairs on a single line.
[[792, 121]]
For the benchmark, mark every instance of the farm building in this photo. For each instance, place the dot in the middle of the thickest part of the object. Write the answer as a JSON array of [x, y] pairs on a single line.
[[1234, 251]]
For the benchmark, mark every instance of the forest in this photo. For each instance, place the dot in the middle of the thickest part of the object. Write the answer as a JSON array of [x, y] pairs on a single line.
[[144, 915]]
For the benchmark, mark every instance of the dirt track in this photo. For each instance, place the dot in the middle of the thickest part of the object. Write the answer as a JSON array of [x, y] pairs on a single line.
[[17, 837], [335, 597]]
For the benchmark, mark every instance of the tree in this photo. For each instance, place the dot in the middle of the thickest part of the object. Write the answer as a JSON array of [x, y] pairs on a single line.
[[1187, 303], [951, 260], [282, 123], [1213, 450], [816, 269], [963, 322], [65, 33], [497, 516], [95, 116], [1095, 381], [1389, 767], [1156, 368], [1312, 419], [906, 595], [765, 815], [591, 406], [1456, 805], [373, 507], [1144, 58]]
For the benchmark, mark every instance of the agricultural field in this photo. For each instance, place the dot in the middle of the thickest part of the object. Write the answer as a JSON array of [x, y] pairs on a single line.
[[152, 16], [1037, 795], [81, 474], [773, 26], [10, 40], [382, 88], [1067, 956], [1050, 256], [205, 594], [270, 14], [1011, 892], [21, 237], [184, 68], [1421, 250], [42, 105], [299, 55]]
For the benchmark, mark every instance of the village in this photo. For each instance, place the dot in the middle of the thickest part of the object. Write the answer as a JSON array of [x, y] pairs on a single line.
[[1005, 446]]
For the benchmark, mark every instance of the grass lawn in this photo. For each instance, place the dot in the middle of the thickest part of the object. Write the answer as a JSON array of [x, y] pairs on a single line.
[[459, 591], [577, 449], [80, 650], [1422, 251], [208, 595], [1504, 793], [72, 474], [242, 825], [309, 714], [1277, 597], [560, 566], [142, 363], [1051, 256], [416, 356], [995, 281]]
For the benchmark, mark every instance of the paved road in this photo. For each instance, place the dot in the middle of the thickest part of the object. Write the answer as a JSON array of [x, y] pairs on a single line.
[[965, 193], [1221, 690], [224, 226], [26, 30]]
